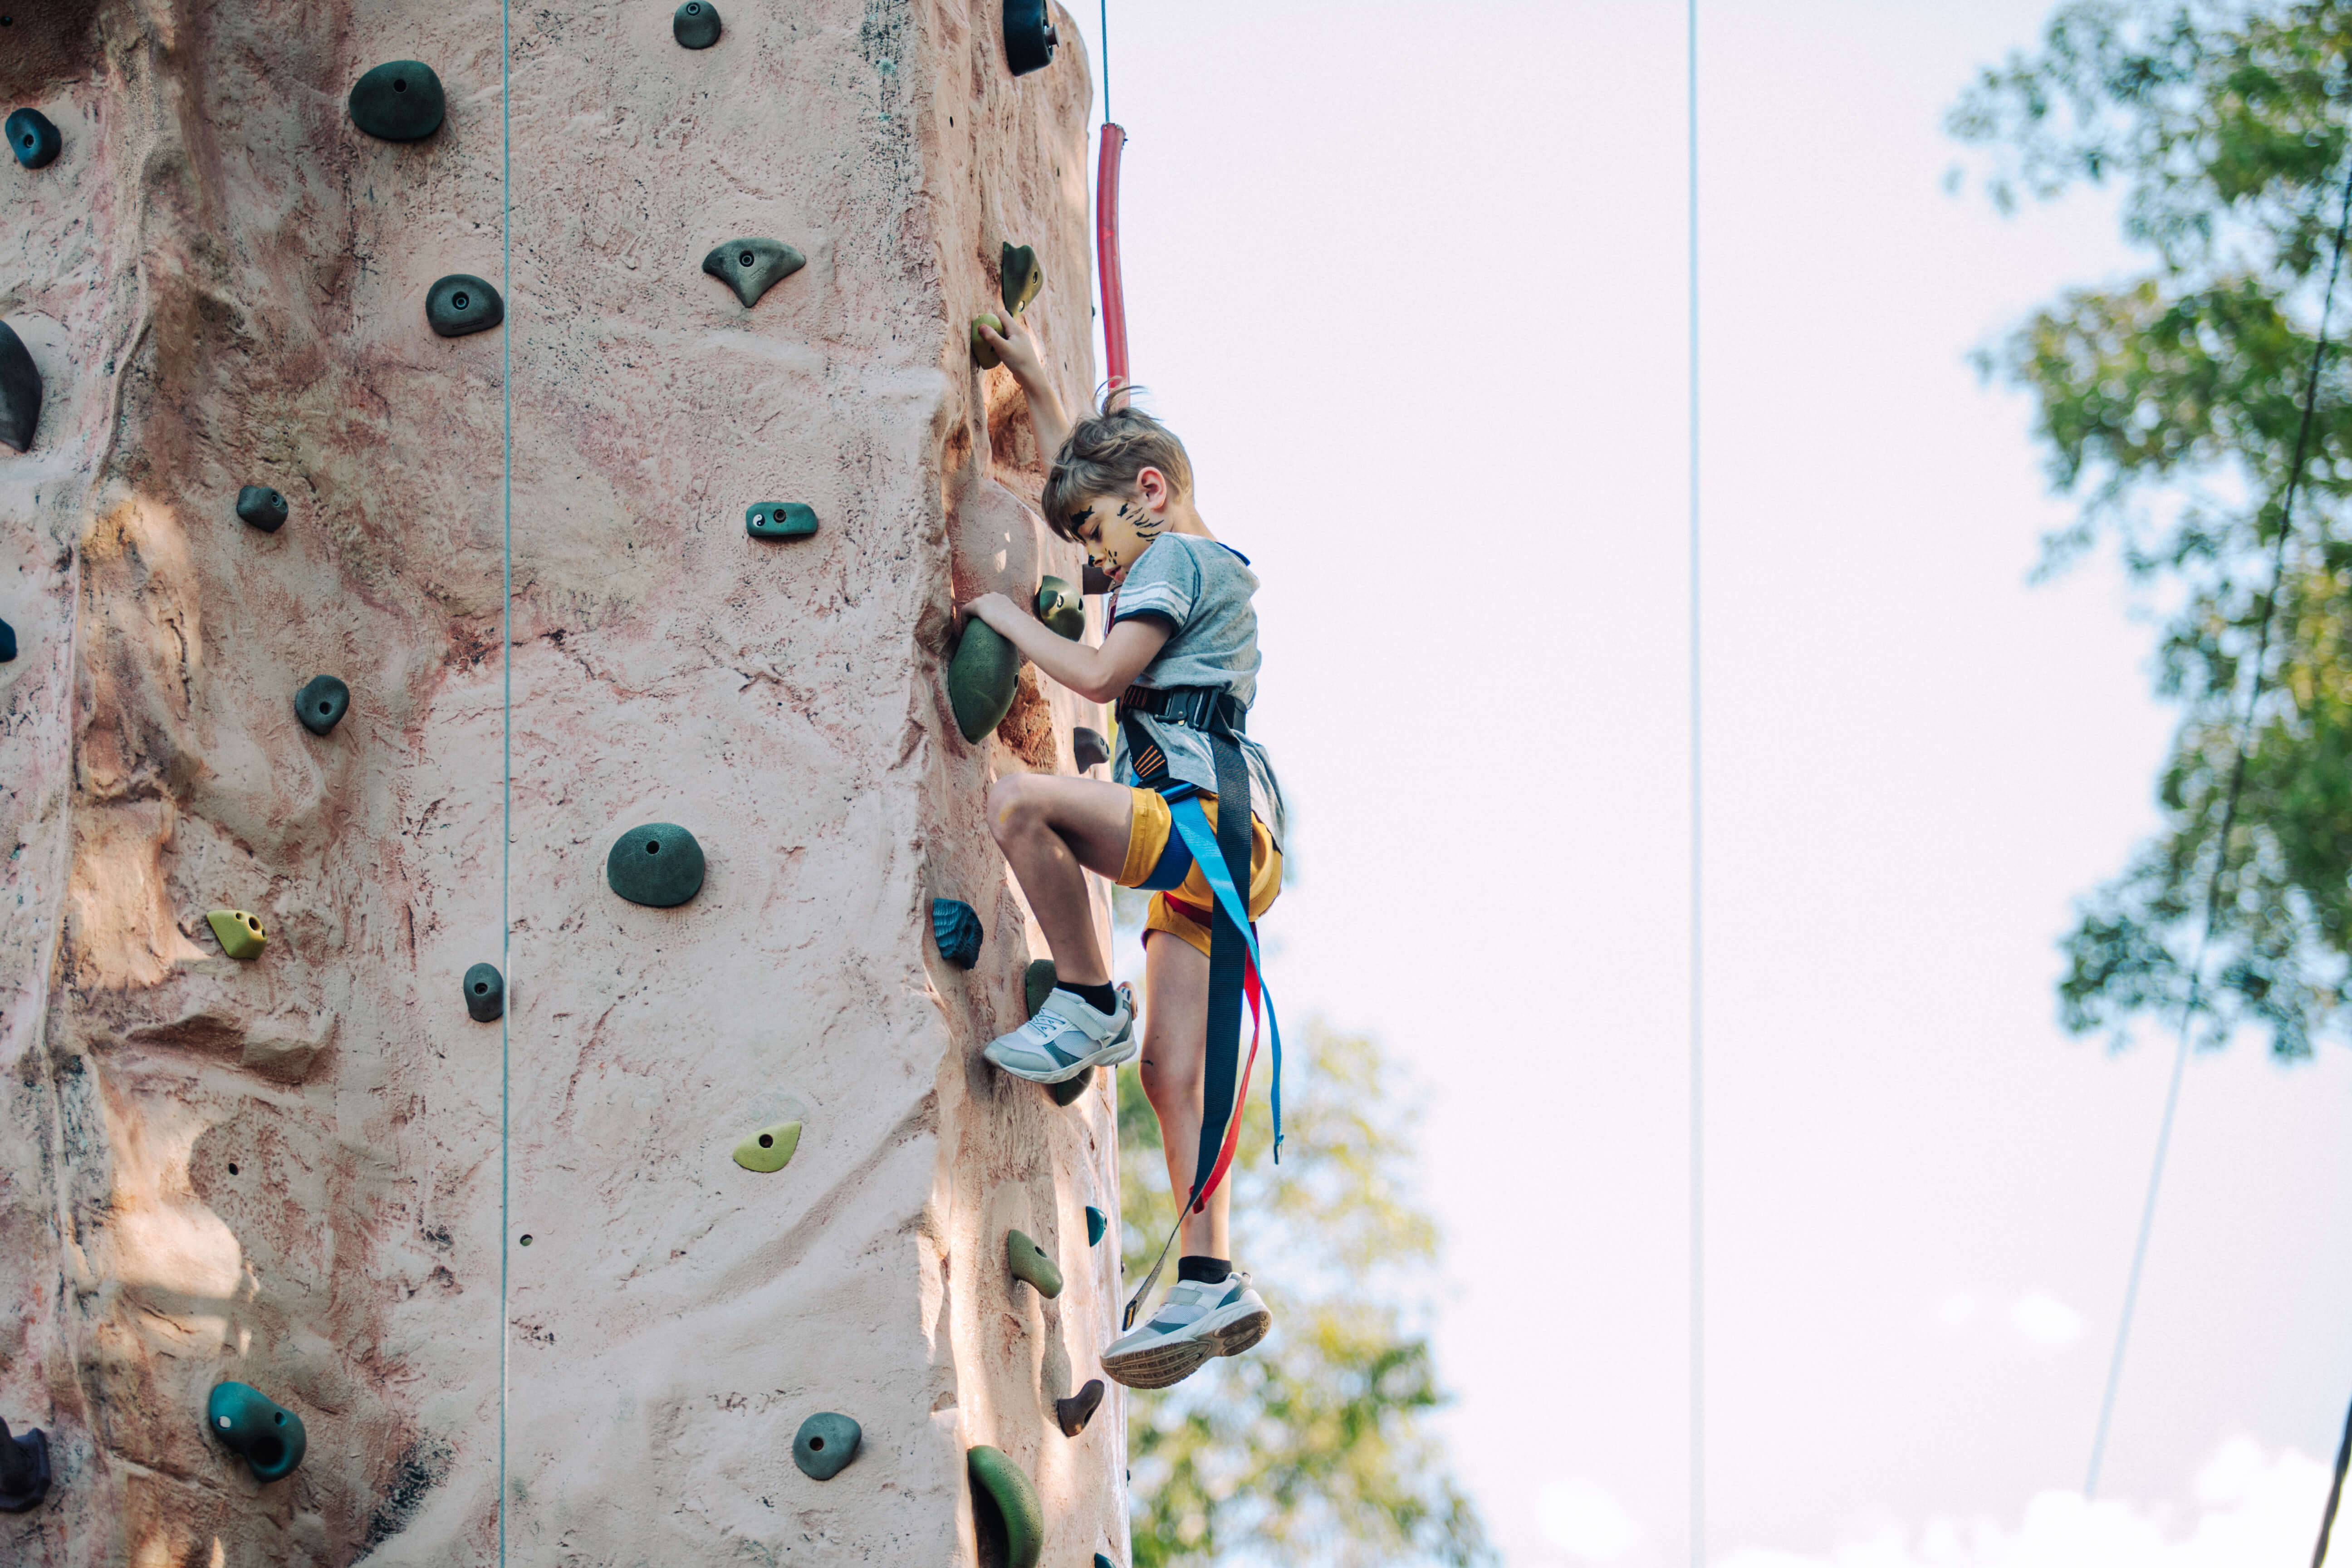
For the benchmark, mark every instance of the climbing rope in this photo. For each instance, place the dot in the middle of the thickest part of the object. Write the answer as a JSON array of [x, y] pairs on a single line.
[[2220, 857], [506, 738], [2334, 1494], [1697, 823]]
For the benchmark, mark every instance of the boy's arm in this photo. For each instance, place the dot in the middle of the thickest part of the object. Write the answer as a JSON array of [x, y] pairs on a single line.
[[1096, 674], [1016, 345]]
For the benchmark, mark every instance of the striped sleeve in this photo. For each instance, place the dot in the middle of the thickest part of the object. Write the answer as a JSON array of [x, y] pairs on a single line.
[[1164, 585]]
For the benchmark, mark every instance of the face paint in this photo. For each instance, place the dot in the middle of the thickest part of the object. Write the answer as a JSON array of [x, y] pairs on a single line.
[[1113, 543]]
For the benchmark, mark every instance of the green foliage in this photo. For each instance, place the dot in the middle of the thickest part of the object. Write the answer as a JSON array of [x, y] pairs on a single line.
[[2172, 403], [1310, 1449]]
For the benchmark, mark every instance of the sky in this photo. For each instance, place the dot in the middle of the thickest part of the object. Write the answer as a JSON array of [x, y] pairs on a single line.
[[1410, 282]]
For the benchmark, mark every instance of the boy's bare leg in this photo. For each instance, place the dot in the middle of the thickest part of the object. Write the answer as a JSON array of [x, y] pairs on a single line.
[[1049, 828], [1174, 1069]]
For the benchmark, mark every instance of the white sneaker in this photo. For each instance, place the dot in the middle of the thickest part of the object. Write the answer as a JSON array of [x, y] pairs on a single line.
[[1195, 1323], [1065, 1038]]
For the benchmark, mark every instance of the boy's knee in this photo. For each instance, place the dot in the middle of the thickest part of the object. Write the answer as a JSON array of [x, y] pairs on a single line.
[[1012, 804]]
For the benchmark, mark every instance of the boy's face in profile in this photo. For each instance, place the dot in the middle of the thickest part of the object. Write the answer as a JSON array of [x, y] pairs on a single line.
[[1117, 529]]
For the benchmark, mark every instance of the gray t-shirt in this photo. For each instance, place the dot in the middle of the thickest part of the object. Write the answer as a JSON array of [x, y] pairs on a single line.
[[1203, 589]]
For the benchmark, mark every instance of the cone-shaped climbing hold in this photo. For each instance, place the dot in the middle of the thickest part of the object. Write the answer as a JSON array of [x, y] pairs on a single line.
[[1029, 36], [1087, 748], [779, 520], [1066, 1092], [1019, 277], [240, 934], [695, 24], [462, 303], [1028, 1261], [824, 1445], [1097, 1225], [262, 507], [982, 680], [770, 1149], [24, 1468], [753, 266], [1007, 1508], [269, 1436], [1073, 1414], [33, 139], [1037, 984], [7, 643], [659, 865], [485, 994], [1059, 607], [981, 354], [957, 931], [321, 703], [20, 391], [400, 101]]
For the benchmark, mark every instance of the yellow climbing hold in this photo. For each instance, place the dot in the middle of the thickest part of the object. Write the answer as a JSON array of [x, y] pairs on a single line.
[[240, 933], [769, 1148]]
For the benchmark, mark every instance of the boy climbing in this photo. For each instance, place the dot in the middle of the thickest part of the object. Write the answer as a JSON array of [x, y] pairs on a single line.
[[1179, 657]]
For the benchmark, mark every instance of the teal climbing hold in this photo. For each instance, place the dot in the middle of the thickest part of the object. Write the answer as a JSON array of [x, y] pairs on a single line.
[[695, 24], [824, 1445], [983, 678], [1103, 1561], [20, 391], [485, 994], [1006, 1509], [1019, 278], [1087, 748], [957, 929], [1037, 984], [34, 139], [659, 865], [753, 266], [1028, 1261], [7, 643], [321, 703], [1029, 36], [1098, 1223], [400, 101], [779, 520], [1059, 607], [262, 507], [1072, 1414], [462, 303], [267, 1435]]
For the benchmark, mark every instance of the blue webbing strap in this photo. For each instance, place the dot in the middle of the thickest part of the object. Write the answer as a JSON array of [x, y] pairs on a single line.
[[1193, 825]]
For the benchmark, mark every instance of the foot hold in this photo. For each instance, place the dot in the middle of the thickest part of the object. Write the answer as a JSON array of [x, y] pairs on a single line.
[[660, 866], [1073, 1414], [824, 1445], [956, 927], [767, 1150], [269, 1436], [485, 994], [24, 1468], [753, 266], [695, 25], [1028, 1261], [1006, 1505], [240, 933]]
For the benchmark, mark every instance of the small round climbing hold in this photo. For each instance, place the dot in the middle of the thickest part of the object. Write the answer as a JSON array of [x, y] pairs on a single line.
[[240, 932], [659, 865], [20, 391], [753, 266], [1073, 1414], [24, 1468], [982, 354], [267, 1435], [1018, 277], [321, 703], [956, 927], [262, 507], [695, 24], [485, 994], [769, 1149], [462, 303], [1028, 1261], [1097, 1225], [400, 101], [1007, 1508], [1037, 984], [779, 520], [1087, 748], [1029, 36], [1059, 607], [983, 678], [824, 1445], [34, 139]]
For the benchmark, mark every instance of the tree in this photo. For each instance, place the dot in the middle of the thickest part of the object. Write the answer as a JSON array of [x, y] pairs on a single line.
[[2172, 405], [1310, 1448]]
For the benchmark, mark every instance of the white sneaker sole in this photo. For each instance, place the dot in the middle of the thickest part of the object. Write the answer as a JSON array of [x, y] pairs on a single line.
[[1110, 1053], [1229, 1331]]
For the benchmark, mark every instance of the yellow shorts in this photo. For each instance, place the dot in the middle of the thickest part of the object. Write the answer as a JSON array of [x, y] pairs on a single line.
[[1184, 911]]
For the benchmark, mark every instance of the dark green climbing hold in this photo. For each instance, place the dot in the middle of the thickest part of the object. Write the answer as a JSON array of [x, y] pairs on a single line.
[[1028, 1261], [269, 1436], [1059, 607], [1029, 36], [400, 101], [957, 931], [1097, 1225], [7, 643], [1087, 748], [779, 520], [824, 1445], [695, 24], [1019, 277], [1037, 984], [33, 139], [1073, 1414], [20, 391], [1066, 1092], [982, 680], [659, 865], [262, 507], [983, 355], [462, 303], [753, 266], [1006, 1508], [24, 1468], [321, 703], [485, 994]]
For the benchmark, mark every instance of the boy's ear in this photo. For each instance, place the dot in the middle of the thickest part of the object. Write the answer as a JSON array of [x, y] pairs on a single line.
[[1152, 485]]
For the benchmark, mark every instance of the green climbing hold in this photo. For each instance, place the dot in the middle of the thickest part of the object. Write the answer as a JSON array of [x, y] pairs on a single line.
[[753, 266], [659, 865], [1037, 984], [321, 703], [262, 507], [770, 1149], [1087, 748], [824, 1445], [462, 303], [695, 24], [400, 101], [1072, 1414], [1066, 1092], [1007, 1508], [1097, 1225], [1059, 607], [268, 1435], [34, 139], [983, 355], [240, 934], [1019, 277], [1029, 36], [982, 680], [485, 994], [20, 391], [779, 520], [1028, 1261]]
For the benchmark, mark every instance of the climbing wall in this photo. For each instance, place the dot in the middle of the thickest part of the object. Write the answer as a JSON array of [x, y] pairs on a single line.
[[522, 1252]]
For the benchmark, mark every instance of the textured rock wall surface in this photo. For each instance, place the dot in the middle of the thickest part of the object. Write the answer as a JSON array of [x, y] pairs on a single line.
[[313, 1173]]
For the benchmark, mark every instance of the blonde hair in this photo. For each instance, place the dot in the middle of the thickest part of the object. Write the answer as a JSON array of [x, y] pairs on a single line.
[[1104, 454]]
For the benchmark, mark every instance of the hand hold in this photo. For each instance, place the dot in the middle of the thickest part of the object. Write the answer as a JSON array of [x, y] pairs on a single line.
[[321, 703], [24, 1468], [269, 1436], [1073, 1414], [753, 266], [20, 391], [1103, 1561], [983, 355], [240, 934], [957, 929], [1087, 748], [1018, 277], [1059, 607], [400, 101], [1037, 984], [779, 520], [824, 1445], [1065, 1093], [771, 1150], [462, 303], [659, 865], [1006, 1507], [33, 139], [1028, 1261], [7, 643], [1097, 1225], [982, 680], [695, 24], [1029, 36], [485, 994], [262, 507]]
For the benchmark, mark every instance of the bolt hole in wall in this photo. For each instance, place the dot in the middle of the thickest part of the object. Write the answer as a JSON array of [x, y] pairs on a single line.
[[232, 1167]]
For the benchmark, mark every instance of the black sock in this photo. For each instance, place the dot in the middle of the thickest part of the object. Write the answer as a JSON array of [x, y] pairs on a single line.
[[1101, 999], [1207, 1271]]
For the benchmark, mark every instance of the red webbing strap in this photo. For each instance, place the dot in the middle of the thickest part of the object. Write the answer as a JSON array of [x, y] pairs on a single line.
[[1241, 1097], [1114, 291]]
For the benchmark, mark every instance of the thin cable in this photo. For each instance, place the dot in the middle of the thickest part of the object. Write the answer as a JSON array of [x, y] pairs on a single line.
[[2221, 855], [2334, 1494], [506, 759], [1697, 824], [1106, 55]]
